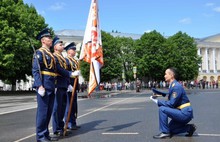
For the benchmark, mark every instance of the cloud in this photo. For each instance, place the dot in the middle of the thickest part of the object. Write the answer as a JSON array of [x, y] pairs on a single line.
[[209, 4], [147, 31], [216, 9], [57, 6], [185, 21]]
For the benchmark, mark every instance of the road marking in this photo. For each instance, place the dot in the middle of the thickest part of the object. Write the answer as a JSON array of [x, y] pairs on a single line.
[[25, 138], [213, 135], [136, 133], [78, 117], [103, 107], [17, 110]]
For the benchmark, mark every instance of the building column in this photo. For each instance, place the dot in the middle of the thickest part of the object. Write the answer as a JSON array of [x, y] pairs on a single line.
[[213, 58], [206, 60], [199, 53], [218, 59]]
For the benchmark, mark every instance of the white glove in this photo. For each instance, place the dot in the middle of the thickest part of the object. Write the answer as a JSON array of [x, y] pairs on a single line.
[[70, 88], [41, 92], [75, 73], [80, 59], [154, 96], [154, 100]]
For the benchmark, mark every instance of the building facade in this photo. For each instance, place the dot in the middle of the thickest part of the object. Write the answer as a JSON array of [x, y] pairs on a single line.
[[209, 50]]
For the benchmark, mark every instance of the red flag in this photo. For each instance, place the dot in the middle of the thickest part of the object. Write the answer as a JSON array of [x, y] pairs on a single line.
[[91, 50]]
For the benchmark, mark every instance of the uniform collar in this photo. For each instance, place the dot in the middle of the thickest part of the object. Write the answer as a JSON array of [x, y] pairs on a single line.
[[70, 56], [57, 52], [46, 48], [172, 83]]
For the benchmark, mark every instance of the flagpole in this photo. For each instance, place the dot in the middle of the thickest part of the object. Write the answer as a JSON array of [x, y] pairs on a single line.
[[70, 106]]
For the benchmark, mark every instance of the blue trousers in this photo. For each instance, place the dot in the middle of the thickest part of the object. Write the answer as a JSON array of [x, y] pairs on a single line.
[[44, 111], [59, 109], [72, 120], [179, 119]]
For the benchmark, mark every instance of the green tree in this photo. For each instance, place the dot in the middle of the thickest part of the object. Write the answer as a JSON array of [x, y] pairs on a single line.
[[183, 55], [149, 52], [112, 61], [18, 22], [152, 54], [126, 51]]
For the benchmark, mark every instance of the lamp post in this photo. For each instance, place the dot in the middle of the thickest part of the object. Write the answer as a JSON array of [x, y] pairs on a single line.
[[135, 72], [135, 75], [123, 74]]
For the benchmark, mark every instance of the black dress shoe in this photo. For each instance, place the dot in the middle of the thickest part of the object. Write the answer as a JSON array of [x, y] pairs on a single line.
[[59, 133], [74, 127], [192, 129], [43, 140], [56, 133], [162, 136], [52, 138]]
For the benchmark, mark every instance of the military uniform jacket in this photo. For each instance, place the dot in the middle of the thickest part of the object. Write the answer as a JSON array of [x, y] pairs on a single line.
[[63, 74], [72, 65], [177, 98], [45, 75]]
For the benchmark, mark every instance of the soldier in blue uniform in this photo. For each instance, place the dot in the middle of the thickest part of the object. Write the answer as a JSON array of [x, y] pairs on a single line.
[[43, 71], [177, 108], [63, 76], [73, 65]]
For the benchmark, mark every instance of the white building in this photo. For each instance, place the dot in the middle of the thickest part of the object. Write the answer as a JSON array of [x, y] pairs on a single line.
[[209, 50]]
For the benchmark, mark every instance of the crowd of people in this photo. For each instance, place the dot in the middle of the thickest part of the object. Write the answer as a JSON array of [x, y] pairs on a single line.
[[202, 84]]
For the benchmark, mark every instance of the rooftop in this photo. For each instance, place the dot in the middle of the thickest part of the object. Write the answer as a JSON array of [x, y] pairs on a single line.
[[213, 40]]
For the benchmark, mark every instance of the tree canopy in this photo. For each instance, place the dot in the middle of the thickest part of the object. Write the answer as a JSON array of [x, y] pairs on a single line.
[[18, 23], [183, 55], [152, 54]]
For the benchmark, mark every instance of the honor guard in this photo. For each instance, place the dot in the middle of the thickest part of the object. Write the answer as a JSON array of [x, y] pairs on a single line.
[[73, 65], [63, 76], [43, 70], [178, 108]]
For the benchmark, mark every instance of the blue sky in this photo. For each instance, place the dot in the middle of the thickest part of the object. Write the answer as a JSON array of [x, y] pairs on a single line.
[[197, 18]]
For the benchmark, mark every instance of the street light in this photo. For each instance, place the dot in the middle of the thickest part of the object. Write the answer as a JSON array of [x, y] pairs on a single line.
[[137, 84], [135, 71], [123, 74]]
